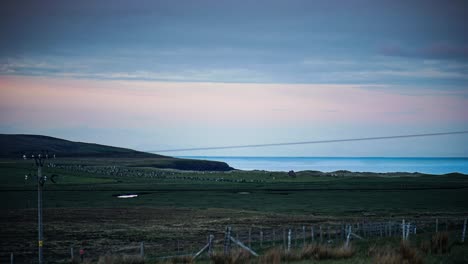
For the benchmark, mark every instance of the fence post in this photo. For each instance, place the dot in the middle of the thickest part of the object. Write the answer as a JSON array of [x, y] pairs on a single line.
[[71, 253], [142, 249], [261, 238], [403, 229], [328, 233], [12, 258], [227, 241], [289, 240], [210, 245], [348, 236], [274, 237], [464, 231], [437, 225], [312, 235], [407, 231], [321, 234], [303, 236], [284, 238], [250, 237]]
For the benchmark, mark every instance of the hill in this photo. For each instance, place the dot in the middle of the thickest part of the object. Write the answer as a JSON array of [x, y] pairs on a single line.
[[14, 146]]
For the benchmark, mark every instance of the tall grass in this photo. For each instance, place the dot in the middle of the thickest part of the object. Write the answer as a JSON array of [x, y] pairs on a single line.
[[440, 243], [236, 257], [125, 259], [387, 255]]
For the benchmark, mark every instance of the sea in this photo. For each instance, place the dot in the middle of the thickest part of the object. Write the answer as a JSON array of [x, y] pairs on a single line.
[[354, 164]]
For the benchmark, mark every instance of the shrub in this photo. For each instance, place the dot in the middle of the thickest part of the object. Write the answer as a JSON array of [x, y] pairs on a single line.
[[410, 254], [439, 243]]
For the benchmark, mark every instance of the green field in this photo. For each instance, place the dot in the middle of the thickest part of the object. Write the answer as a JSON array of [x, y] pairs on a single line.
[[194, 202], [95, 184]]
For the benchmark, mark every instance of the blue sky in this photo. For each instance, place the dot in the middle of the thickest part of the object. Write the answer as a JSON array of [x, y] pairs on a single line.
[[414, 49]]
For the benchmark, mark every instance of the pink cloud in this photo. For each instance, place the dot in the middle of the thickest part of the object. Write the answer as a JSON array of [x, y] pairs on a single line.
[[70, 102]]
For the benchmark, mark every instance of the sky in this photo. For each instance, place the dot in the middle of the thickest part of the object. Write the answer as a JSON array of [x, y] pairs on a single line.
[[154, 75]]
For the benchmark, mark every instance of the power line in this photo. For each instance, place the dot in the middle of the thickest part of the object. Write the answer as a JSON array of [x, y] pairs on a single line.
[[311, 142]]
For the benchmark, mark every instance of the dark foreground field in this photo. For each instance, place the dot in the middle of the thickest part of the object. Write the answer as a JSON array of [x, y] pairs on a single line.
[[176, 210]]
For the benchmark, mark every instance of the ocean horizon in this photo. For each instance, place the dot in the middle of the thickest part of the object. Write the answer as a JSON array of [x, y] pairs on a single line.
[[429, 165]]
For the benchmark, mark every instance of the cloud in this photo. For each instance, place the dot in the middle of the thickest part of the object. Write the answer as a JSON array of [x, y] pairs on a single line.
[[437, 50]]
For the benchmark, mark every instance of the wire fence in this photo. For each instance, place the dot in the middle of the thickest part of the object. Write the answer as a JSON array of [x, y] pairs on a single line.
[[259, 238]]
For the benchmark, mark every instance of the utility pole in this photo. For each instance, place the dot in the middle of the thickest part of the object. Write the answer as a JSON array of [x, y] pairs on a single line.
[[39, 161], [40, 185]]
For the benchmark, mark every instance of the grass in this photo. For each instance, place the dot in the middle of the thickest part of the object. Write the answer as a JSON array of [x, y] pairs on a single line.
[[309, 192], [81, 207]]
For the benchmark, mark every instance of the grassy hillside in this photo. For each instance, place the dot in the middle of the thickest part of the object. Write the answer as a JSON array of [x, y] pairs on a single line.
[[14, 146]]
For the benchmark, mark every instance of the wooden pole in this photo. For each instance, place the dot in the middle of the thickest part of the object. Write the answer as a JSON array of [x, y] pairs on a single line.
[[312, 235], [303, 236], [295, 237], [243, 246], [284, 238], [437, 225], [142, 249], [210, 245], [227, 241], [289, 240], [71, 253], [261, 238], [463, 232], [403, 229], [321, 234], [40, 183], [12, 258], [250, 237], [274, 237]]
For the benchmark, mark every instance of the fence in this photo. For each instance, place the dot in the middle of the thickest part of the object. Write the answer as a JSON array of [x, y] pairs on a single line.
[[259, 238]]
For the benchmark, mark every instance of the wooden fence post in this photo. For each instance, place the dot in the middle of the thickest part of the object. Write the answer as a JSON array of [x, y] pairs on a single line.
[[437, 225], [303, 236], [261, 238], [407, 231], [142, 249], [12, 258], [403, 229], [210, 245], [321, 234], [328, 233], [71, 253], [342, 232], [463, 232], [227, 241], [274, 237], [312, 235], [250, 237], [284, 238], [348, 236], [389, 228], [289, 240]]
